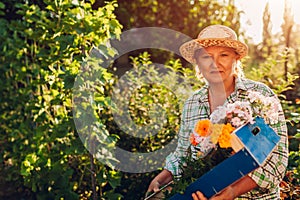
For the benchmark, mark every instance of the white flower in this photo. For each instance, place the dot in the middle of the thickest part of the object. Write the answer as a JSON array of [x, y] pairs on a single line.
[[218, 116], [236, 122], [266, 107], [254, 96]]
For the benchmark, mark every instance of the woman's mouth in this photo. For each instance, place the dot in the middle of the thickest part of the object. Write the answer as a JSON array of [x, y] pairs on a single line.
[[216, 72]]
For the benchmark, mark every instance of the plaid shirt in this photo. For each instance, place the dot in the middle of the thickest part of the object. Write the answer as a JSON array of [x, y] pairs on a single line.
[[197, 108]]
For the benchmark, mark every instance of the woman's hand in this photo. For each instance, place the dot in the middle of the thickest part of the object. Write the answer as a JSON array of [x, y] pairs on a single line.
[[161, 179], [227, 194], [198, 196], [242, 186], [154, 186]]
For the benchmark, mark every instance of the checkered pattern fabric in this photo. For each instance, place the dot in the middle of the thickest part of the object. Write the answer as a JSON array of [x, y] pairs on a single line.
[[197, 108]]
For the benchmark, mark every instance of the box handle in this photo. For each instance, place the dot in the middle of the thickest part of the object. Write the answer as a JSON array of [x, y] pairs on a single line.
[[255, 130]]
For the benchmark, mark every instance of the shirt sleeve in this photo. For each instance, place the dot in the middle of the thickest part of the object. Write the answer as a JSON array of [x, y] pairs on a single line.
[[175, 159], [271, 173]]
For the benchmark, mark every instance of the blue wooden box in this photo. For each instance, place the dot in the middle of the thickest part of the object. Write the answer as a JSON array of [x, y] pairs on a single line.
[[256, 142]]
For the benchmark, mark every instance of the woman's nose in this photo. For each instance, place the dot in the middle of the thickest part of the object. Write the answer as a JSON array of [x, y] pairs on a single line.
[[214, 62], [215, 59]]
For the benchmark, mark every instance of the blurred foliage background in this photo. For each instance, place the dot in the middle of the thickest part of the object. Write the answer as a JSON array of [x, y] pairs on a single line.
[[46, 44]]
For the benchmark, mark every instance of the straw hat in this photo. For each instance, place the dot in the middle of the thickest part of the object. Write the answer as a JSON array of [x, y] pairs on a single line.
[[214, 35]]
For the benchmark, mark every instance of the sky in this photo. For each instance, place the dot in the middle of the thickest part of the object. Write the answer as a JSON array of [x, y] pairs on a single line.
[[252, 21]]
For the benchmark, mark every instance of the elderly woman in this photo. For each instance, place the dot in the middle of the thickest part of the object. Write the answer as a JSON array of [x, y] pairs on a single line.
[[217, 53]]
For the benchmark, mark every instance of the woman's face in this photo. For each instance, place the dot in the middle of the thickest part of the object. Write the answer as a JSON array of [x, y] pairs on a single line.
[[217, 63]]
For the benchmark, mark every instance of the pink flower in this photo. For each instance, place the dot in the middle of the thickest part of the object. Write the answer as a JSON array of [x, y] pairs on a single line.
[[236, 122]]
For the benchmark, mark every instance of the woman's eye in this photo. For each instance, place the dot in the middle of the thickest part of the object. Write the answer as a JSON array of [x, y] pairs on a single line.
[[206, 57], [224, 54]]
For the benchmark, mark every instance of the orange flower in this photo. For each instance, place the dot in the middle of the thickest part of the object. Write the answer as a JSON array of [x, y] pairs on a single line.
[[225, 137], [193, 140], [216, 131], [228, 128], [203, 127]]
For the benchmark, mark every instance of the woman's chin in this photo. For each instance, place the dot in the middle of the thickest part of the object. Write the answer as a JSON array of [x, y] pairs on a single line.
[[215, 79]]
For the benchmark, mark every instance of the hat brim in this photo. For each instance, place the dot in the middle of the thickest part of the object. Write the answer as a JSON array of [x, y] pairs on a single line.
[[188, 49]]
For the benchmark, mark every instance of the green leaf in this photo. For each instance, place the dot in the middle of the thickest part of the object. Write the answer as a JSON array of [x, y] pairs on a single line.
[[2, 5]]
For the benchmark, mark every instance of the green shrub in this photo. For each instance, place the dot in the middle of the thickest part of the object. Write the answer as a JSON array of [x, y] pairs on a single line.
[[41, 54]]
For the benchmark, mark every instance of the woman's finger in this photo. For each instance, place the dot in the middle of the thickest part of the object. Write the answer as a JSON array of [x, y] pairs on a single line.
[[195, 197], [198, 196], [156, 186]]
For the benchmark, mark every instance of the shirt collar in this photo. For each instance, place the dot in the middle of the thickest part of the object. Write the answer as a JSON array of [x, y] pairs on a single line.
[[239, 84], [203, 93]]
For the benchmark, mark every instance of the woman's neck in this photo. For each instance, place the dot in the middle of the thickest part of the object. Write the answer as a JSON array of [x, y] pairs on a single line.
[[218, 93], [221, 89]]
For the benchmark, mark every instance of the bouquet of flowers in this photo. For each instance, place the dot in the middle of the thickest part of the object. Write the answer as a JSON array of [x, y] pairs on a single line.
[[212, 137]]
